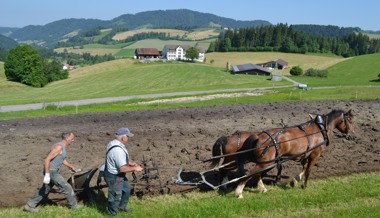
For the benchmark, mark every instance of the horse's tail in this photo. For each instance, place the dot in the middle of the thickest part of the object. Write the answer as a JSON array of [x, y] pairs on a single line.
[[217, 150], [249, 143]]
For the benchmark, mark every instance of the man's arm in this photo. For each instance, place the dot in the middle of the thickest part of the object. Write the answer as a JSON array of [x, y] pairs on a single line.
[[69, 165], [127, 168]]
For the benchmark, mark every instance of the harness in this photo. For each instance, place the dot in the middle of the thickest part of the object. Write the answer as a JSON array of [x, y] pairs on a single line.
[[105, 165], [279, 159], [239, 139]]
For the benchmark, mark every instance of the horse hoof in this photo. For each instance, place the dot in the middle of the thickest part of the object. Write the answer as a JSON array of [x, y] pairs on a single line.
[[292, 184]]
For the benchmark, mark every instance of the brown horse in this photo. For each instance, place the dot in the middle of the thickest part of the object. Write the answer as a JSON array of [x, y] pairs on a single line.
[[304, 143], [227, 148]]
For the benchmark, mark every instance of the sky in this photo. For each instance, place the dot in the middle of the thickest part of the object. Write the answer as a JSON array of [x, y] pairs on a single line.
[[343, 13]]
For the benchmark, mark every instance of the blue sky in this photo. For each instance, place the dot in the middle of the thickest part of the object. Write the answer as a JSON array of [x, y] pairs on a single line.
[[343, 13]]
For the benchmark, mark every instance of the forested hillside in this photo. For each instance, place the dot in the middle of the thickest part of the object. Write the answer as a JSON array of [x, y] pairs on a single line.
[[51, 33], [283, 38], [323, 30], [7, 43]]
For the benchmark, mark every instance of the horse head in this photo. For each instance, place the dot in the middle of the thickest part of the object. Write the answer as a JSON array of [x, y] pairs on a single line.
[[344, 124]]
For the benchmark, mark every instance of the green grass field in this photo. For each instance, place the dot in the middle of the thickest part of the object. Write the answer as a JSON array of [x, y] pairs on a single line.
[[124, 77], [354, 196]]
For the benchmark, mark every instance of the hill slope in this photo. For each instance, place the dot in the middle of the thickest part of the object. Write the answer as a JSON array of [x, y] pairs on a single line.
[[184, 19]]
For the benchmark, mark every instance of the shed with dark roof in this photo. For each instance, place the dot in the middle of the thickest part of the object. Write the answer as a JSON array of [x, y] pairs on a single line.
[[251, 69], [275, 64]]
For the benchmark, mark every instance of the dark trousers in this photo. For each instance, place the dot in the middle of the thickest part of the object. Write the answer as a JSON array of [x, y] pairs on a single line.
[[118, 192]]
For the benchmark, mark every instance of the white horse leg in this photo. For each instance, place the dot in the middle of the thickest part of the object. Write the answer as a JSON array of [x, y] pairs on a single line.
[[239, 190], [297, 179], [260, 186]]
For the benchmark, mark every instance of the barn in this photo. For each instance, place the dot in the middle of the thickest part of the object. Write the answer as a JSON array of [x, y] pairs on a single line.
[[251, 69], [275, 64], [145, 53]]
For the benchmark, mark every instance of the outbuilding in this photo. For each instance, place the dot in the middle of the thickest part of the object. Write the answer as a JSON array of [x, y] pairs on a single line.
[[147, 53], [251, 69]]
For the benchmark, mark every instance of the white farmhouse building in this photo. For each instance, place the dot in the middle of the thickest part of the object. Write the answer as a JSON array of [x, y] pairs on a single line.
[[178, 52]]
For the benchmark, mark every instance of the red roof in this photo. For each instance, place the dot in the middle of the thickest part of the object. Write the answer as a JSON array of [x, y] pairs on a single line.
[[147, 51]]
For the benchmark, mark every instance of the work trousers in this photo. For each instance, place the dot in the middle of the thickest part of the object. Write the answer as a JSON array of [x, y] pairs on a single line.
[[119, 191], [61, 183]]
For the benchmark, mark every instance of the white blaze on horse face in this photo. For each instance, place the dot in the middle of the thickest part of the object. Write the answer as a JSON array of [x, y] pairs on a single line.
[[239, 191]]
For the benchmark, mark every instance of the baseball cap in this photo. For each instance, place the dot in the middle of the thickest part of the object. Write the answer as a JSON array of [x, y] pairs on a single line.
[[124, 131]]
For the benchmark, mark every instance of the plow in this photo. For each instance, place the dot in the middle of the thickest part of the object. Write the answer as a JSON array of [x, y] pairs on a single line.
[[264, 150]]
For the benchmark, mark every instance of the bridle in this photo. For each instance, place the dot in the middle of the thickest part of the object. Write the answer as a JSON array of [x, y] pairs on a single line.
[[345, 123]]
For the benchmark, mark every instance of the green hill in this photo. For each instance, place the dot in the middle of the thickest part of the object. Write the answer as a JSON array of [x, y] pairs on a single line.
[[358, 71], [126, 77], [51, 33]]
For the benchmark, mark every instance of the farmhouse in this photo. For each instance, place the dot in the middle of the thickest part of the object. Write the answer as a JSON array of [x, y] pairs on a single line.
[[68, 67], [145, 53], [275, 64], [178, 52], [251, 69]]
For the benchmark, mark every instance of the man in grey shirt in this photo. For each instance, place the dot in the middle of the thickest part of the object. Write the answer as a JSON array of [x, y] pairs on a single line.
[[53, 163], [116, 166]]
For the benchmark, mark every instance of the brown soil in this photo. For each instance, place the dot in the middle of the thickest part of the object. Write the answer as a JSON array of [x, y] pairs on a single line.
[[174, 138]]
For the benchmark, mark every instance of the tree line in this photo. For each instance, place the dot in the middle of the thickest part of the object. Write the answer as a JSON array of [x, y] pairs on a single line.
[[284, 38]]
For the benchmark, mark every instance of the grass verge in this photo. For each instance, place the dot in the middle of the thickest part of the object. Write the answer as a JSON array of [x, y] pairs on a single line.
[[288, 94], [349, 196]]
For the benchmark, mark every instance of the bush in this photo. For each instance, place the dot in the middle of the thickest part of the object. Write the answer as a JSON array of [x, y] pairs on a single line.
[[296, 71], [316, 73]]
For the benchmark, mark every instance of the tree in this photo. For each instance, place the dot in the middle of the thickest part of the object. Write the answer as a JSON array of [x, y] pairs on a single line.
[[192, 53], [296, 71], [53, 71], [24, 64]]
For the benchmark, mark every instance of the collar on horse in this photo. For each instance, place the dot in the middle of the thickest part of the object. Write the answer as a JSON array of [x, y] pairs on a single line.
[[322, 126]]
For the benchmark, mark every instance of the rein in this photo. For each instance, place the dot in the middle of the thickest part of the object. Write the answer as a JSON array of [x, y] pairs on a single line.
[[267, 147]]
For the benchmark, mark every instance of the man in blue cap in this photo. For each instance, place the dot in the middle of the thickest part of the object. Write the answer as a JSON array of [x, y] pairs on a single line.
[[116, 166]]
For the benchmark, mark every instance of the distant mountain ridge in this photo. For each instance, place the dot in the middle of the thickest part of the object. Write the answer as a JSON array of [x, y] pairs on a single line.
[[181, 18]]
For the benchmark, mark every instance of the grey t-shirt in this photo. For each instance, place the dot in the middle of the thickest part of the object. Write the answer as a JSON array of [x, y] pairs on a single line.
[[116, 157], [57, 161]]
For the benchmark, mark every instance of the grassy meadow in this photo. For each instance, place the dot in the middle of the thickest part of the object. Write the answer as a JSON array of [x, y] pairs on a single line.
[[125, 77], [198, 34], [128, 77], [349, 196], [354, 196]]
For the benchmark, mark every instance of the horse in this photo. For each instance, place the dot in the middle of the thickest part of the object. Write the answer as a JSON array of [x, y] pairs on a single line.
[[226, 147], [304, 143]]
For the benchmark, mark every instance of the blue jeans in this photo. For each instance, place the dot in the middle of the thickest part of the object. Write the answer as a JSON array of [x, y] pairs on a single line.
[[118, 192], [61, 183]]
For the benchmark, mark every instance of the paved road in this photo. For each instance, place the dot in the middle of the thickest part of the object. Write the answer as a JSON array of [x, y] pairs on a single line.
[[24, 107]]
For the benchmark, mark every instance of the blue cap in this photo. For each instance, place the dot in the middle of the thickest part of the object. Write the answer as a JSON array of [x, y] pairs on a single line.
[[124, 131]]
